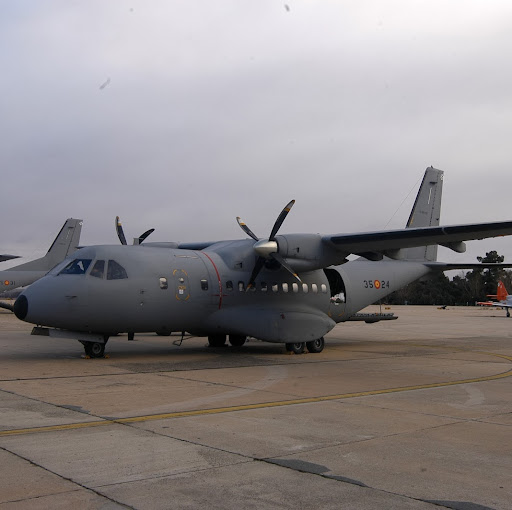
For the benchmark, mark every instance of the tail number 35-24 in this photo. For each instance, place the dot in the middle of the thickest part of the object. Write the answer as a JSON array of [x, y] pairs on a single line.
[[376, 284]]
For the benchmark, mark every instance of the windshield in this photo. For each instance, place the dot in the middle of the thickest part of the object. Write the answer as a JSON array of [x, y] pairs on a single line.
[[77, 266], [115, 271]]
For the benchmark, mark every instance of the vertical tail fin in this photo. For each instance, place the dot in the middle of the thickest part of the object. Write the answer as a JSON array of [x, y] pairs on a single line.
[[65, 244], [502, 293], [426, 212]]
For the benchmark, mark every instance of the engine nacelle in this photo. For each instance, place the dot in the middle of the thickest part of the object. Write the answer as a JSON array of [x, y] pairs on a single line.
[[307, 252]]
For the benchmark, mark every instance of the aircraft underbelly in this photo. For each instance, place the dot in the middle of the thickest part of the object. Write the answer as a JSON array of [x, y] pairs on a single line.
[[272, 325]]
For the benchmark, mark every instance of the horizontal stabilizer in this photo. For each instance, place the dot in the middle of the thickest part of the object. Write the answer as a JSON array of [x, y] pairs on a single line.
[[443, 266]]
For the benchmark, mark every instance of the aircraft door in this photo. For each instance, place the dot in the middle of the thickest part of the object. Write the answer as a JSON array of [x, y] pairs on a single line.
[[338, 300], [191, 281]]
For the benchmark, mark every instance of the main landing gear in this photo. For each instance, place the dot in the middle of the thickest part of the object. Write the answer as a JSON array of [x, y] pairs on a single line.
[[94, 349], [216, 340], [220, 340], [314, 346], [237, 340]]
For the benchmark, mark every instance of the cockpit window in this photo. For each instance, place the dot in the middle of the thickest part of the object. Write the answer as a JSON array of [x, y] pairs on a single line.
[[115, 271], [98, 269], [76, 266]]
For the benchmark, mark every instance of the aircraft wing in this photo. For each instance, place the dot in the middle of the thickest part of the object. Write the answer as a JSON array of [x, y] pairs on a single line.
[[392, 240]]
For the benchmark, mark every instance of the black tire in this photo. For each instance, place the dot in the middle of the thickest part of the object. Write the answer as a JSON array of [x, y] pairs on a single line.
[[163, 332], [316, 345], [237, 340], [296, 348], [216, 340], [94, 349]]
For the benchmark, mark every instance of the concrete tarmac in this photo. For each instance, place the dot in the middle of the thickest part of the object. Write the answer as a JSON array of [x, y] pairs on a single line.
[[408, 414]]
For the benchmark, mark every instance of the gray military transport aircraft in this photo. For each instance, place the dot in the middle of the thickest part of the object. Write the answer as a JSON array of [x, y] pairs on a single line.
[[64, 245], [290, 288]]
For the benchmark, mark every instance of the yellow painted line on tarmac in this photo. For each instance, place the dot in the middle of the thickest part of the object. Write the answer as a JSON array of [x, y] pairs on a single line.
[[247, 407], [52, 428], [263, 405]]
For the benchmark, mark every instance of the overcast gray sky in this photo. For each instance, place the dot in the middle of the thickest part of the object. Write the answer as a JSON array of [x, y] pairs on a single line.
[[181, 115]]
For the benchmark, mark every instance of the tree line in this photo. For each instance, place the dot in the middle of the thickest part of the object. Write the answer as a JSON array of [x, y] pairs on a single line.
[[463, 290]]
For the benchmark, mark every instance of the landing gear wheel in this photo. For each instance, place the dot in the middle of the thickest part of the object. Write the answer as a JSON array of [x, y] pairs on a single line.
[[316, 345], [94, 349], [237, 340], [217, 340], [296, 348]]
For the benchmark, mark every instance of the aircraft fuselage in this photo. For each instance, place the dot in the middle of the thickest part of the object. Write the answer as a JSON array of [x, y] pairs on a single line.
[[205, 293]]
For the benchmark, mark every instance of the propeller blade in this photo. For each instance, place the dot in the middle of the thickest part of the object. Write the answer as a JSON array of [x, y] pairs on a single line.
[[268, 248], [260, 262], [246, 229], [145, 235], [119, 230], [285, 264], [280, 219]]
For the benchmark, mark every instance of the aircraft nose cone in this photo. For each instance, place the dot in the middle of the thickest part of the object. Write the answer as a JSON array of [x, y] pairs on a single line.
[[21, 307]]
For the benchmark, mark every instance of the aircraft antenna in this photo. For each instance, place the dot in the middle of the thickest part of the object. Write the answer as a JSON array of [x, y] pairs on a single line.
[[403, 201]]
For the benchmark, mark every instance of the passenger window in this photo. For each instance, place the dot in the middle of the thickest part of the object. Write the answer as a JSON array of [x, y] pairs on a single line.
[[77, 266], [305, 288], [314, 288], [98, 269], [241, 286], [275, 287], [229, 285], [295, 287], [324, 288], [163, 283], [204, 284], [264, 287], [115, 271], [285, 287]]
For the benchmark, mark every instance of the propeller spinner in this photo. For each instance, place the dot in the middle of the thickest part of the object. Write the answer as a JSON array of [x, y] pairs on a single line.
[[268, 249], [137, 240]]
